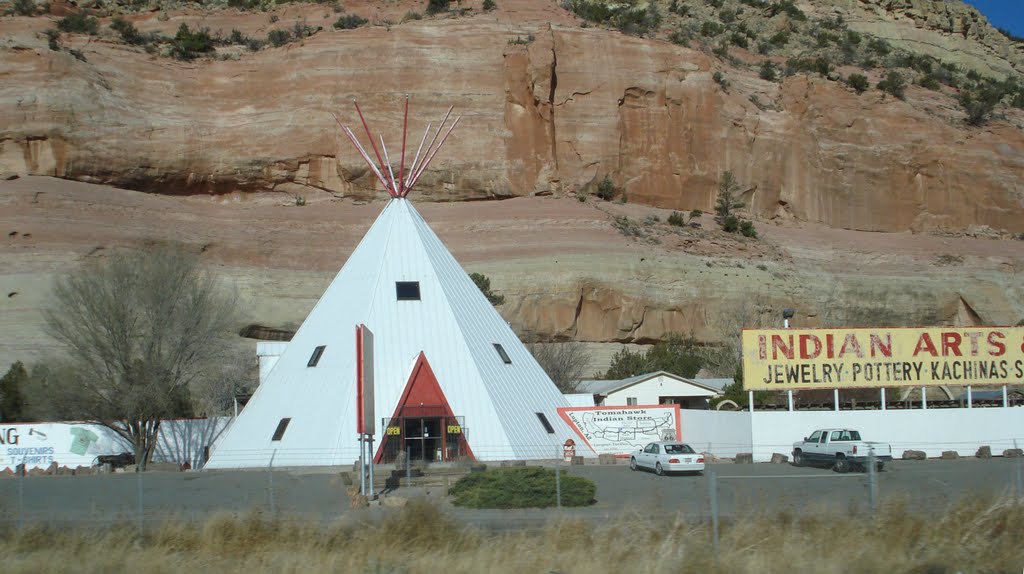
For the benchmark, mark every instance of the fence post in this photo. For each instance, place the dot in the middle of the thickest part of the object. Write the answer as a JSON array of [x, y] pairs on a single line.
[[270, 483], [558, 486], [713, 496], [21, 494], [1020, 478], [872, 482], [138, 474]]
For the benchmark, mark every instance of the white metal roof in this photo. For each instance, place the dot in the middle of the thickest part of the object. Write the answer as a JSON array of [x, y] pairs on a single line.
[[453, 324], [606, 387]]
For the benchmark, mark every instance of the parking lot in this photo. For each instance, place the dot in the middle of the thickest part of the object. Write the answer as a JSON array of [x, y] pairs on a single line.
[[922, 486]]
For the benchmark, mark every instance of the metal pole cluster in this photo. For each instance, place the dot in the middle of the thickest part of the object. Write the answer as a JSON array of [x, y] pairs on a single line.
[[400, 187]]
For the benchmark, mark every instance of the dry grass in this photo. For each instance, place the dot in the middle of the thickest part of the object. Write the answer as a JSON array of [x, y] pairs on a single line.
[[974, 536]]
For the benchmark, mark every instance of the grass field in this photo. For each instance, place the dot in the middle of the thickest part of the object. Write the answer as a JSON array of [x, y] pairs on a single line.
[[979, 535]]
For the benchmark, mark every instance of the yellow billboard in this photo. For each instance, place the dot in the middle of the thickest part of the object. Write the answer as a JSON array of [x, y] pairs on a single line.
[[780, 359]]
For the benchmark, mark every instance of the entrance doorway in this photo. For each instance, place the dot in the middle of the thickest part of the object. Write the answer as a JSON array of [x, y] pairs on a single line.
[[424, 438]]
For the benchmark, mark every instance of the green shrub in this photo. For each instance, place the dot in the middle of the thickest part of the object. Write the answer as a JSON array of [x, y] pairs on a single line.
[[411, 15], [244, 4], [680, 37], [730, 224], [437, 6], [859, 82], [483, 283], [878, 46], [978, 107], [188, 45], [53, 38], [727, 15], [675, 7], [523, 487], [695, 213], [768, 71], [278, 38], [350, 22], [489, 5], [79, 24], [821, 65], [779, 38], [728, 197], [738, 39], [789, 8], [928, 81], [626, 17], [709, 29], [606, 189], [675, 354], [677, 219], [893, 84], [129, 33], [719, 79], [24, 7], [747, 228], [721, 50]]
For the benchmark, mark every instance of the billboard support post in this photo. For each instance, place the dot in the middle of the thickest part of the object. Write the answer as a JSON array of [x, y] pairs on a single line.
[[365, 421]]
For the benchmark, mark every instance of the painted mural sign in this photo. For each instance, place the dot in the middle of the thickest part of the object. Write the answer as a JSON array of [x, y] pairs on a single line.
[[779, 359], [621, 430], [37, 445]]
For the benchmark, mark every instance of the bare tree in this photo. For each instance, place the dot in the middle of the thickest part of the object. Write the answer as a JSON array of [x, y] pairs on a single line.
[[139, 327], [565, 363]]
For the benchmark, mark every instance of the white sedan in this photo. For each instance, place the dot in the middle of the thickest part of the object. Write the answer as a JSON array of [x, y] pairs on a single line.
[[667, 456]]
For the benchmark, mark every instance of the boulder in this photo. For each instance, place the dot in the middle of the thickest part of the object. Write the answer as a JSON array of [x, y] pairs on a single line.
[[1013, 453], [779, 458], [914, 455], [84, 471], [607, 459], [52, 469], [64, 471], [950, 455], [577, 461], [984, 451], [744, 458]]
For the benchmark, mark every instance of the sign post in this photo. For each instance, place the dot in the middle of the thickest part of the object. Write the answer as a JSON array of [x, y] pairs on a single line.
[[365, 419]]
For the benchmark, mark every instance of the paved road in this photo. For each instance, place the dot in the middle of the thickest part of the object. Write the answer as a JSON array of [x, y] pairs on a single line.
[[924, 486]]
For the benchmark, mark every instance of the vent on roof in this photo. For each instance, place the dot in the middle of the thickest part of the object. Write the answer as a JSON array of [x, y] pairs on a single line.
[[281, 427], [407, 290], [504, 355], [547, 425], [315, 357]]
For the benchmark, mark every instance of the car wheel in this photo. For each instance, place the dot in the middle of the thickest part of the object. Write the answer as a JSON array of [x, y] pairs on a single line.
[[632, 463], [842, 465], [658, 470], [798, 458]]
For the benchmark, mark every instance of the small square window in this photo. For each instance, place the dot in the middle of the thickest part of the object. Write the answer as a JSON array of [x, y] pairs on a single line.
[[503, 354], [281, 427], [315, 357], [631, 401], [547, 425], [407, 290]]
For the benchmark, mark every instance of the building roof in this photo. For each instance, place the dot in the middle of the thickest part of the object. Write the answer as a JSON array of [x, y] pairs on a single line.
[[451, 323], [606, 387]]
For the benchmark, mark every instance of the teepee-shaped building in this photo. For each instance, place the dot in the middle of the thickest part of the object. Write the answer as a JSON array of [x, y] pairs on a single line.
[[452, 380]]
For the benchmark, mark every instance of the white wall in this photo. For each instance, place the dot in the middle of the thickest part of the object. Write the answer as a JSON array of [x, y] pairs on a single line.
[[929, 430], [721, 433], [648, 392], [725, 433], [269, 352]]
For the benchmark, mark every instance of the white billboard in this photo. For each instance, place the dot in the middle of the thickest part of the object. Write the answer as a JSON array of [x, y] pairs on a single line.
[[622, 430]]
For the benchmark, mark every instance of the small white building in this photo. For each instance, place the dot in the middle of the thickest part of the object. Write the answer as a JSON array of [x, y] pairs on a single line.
[[658, 388]]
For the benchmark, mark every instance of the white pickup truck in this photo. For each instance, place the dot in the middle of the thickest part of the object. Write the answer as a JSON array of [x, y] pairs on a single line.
[[842, 449]]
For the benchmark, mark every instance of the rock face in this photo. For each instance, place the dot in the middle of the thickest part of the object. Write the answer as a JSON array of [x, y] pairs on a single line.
[[554, 115]]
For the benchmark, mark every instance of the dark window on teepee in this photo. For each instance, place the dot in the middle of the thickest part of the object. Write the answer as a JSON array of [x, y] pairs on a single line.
[[315, 357], [504, 355], [547, 425], [281, 427], [407, 290]]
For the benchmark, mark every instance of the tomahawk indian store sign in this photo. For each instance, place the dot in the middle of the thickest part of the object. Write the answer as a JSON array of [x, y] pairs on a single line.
[[622, 430]]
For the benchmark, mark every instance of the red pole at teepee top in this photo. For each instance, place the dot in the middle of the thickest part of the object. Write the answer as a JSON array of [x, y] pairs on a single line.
[[401, 163]]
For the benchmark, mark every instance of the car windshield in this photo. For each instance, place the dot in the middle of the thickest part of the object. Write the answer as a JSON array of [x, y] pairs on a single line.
[[678, 449]]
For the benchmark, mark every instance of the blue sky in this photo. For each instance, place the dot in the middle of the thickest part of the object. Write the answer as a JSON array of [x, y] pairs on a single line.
[[1005, 14]]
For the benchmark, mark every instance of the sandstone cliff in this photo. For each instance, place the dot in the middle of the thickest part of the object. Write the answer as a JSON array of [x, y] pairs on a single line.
[[552, 115]]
